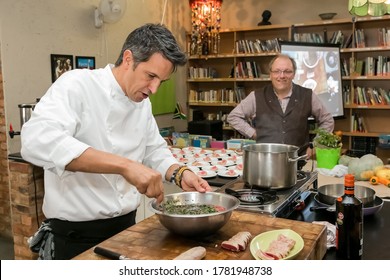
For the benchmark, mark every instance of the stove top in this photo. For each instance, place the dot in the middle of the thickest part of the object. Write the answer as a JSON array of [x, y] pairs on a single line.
[[278, 203]]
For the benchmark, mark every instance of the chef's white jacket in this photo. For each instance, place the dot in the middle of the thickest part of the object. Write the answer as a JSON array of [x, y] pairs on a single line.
[[83, 109]]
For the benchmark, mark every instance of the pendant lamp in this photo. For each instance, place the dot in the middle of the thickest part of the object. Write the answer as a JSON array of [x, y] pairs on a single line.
[[374, 8], [206, 24]]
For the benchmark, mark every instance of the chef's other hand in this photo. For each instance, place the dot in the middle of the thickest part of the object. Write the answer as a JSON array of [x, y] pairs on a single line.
[[146, 180], [192, 182]]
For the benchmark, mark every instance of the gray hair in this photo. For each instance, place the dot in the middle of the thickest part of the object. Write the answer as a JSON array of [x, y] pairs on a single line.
[[149, 39], [294, 64]]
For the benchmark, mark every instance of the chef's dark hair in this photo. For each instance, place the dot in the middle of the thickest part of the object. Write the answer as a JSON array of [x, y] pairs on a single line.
[[294, 64], [149, 39]]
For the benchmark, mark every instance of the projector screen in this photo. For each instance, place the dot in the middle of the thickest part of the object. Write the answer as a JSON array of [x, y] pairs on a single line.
[[318, 68]]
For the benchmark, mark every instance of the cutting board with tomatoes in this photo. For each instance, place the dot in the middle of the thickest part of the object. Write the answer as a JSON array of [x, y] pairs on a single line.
[[149, 240]]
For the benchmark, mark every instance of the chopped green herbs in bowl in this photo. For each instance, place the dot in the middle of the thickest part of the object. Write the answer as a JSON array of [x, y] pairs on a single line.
[[194, 213]]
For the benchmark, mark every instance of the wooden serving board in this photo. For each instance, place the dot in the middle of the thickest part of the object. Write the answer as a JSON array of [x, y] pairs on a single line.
[[149, 240]]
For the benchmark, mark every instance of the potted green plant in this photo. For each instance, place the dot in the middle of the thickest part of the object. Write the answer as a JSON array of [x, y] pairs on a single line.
[[327, 148]]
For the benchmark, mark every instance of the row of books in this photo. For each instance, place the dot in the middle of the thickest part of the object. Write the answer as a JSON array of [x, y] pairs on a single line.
[[257, 46], [226, 95], [369, 66], [371, 96], [247, 69], [309, 37], [366, 96], [384, 37], [338, 37], [217, 95], [200, 73]]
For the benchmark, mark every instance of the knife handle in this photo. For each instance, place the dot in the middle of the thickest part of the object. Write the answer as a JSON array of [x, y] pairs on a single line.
[[109, 254]]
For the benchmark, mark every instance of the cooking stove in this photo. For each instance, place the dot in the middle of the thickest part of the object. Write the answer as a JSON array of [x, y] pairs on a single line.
[[277, 203]]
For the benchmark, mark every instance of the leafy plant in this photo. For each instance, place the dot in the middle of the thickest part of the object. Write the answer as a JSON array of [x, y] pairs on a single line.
[[325, 139]]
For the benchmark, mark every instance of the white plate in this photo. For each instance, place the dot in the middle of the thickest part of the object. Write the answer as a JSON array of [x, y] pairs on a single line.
[[206, 173], [224, 162], [191, 149], [238, 167], [215, 168], [205, 159], [228, 173], [199, 163], [175, 150]]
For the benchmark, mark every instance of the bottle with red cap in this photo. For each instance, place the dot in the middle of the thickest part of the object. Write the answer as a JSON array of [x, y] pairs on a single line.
[[349, 223]]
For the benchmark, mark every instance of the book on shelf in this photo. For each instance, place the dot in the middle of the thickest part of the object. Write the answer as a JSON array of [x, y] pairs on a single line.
[[352, 66], [345, 68], [385, 96], [347, 95], [359, 67], [383, 37], [337, 38], [240, 94], [347, 42], [358, 124], [249, 70], [369, 64], [360, 41]]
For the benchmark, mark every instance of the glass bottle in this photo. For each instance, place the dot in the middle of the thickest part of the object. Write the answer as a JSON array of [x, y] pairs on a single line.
[[349, 223]]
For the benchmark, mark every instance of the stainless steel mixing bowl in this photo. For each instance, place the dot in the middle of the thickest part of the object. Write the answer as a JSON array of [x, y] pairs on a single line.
[[196, 225]]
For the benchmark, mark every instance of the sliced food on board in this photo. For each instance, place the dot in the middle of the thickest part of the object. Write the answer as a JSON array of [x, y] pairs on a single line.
[[238, 242]]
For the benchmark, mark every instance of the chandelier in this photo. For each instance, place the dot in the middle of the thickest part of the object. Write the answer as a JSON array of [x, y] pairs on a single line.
[[369, 7], [206, 24]]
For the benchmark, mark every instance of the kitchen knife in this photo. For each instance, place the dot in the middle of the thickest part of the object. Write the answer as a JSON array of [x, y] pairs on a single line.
[[109, 254]]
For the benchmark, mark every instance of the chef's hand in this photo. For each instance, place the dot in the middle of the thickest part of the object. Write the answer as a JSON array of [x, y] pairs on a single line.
[[146, 180], [192, 182]]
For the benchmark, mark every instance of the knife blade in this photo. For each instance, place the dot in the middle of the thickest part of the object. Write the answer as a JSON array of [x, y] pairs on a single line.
[[109, 254]]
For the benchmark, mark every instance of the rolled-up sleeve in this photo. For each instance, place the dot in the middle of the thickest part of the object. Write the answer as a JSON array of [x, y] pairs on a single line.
[[320, 113], [239, 116]]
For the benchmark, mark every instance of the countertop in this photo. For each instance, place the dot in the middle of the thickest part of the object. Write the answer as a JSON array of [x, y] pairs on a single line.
[[149, 240]]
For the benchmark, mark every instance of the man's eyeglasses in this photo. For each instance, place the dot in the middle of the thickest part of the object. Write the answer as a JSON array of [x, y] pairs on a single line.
[[280, 72]]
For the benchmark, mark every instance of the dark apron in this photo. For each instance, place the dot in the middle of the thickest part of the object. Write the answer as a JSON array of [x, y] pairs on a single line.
[[73, 238]]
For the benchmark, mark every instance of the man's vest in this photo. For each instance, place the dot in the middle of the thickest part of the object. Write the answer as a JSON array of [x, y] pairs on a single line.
[[274, 126]]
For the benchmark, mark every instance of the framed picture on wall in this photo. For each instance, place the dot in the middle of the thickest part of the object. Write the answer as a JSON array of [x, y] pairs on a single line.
[[60, 63], [85, 62]]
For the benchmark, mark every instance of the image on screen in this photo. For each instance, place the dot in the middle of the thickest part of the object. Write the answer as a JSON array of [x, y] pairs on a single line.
[[318, 68]]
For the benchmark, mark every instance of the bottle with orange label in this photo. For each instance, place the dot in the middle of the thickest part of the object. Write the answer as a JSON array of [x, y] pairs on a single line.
[[349, 223]]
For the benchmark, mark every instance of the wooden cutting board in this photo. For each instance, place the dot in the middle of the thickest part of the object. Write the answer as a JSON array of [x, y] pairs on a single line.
[[149, 240]]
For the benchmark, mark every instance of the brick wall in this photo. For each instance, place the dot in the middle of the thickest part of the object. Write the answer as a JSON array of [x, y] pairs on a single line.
[[5, 210], [26, 188]]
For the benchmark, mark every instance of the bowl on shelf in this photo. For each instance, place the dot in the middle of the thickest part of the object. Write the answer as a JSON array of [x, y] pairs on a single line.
[[325, 16]]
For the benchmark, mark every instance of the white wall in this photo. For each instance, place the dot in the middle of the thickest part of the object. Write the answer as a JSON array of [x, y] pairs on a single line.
[[31, 30]]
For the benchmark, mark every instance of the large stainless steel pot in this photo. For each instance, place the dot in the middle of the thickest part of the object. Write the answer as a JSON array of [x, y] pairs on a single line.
[[269, 165]]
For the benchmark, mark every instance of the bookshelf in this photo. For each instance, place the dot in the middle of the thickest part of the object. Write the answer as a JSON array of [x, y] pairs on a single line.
[[227, 77], [365, 44]]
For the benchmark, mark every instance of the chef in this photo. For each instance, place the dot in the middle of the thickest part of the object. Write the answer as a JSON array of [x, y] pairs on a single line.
[[94, 134]]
